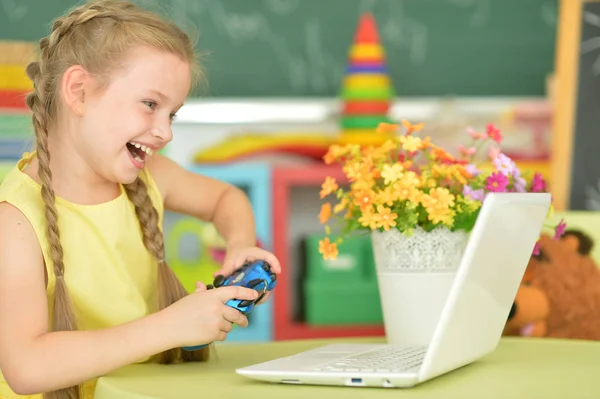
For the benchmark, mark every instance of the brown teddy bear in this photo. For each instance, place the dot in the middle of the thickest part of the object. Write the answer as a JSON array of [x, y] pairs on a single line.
[[560, 293]]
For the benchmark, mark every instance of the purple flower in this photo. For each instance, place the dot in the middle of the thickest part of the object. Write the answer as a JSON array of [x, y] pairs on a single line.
[[497, 182], [504, 164], [536, 248], [560, 229], [477, 195], [520, 185], [472, 169], [537, 183]]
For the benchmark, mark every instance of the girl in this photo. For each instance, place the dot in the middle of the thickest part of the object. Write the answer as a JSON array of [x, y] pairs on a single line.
[[84, 287]]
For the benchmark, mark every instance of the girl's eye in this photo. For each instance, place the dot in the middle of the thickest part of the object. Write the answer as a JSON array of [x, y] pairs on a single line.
[[150, 104]]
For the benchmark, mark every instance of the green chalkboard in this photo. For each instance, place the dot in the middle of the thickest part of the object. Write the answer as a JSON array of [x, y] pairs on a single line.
[[300, 47]]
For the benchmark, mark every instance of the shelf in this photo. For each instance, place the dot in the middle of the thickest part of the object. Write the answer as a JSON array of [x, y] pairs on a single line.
[[285, 179]]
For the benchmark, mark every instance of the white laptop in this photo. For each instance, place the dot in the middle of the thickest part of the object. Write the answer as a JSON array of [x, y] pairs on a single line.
[[470, 326]]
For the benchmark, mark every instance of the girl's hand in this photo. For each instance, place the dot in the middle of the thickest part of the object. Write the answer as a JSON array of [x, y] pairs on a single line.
[[237, 256], [202, 317]]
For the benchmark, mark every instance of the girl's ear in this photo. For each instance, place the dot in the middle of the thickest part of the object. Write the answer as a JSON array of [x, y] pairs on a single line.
[[74, 83]]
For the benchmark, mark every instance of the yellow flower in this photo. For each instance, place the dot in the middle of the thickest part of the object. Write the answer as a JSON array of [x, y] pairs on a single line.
[[384, 217], [328, 249], [325, 213], [438, 204], [340, 205], [387, 196], [367, 219], [441, 215], [391, 173], [442, 197], [410, 179], [361, 185], [328, 186], [403, 193], [359, 170], [386, 147], [438, 171], [410, 143], [460, 174]]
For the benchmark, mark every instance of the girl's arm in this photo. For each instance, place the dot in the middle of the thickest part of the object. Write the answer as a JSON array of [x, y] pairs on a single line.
[[34, 360], [212, 200], [215, 201]]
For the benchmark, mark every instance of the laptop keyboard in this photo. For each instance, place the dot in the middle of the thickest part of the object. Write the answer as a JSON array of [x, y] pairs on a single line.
[[380, 360]]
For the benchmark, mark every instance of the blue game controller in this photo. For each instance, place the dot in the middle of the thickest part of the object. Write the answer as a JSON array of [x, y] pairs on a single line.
[[256, 275]]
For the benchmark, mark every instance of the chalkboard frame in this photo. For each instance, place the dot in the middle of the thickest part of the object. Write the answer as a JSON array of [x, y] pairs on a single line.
[[565, 100]]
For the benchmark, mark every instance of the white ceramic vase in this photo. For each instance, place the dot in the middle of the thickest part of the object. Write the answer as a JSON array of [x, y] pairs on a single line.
[[415, 274]]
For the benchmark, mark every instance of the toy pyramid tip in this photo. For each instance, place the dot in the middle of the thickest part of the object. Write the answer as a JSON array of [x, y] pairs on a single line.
[[367, 29]]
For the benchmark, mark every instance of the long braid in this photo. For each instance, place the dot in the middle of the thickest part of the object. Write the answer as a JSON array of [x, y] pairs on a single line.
[[63, 316], [170, 289]]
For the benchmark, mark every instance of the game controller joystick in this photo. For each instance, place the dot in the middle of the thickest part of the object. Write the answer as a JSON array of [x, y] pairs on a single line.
[[256, 275]]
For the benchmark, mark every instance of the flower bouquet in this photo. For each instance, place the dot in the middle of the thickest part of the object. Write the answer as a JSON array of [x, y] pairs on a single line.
[[418, 202], [408, 182]]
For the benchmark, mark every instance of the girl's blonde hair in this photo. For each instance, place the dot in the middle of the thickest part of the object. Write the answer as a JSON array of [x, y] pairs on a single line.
[[98, 36]]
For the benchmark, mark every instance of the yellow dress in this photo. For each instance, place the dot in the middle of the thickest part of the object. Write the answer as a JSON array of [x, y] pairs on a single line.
[[110, 274]]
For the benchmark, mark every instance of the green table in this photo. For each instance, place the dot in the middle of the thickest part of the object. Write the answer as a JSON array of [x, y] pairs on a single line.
[[519, 368]]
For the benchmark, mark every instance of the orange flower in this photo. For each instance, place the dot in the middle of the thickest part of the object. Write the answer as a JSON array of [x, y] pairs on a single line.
[[460, 174], [363, 199], [329, 158], [385, 128], [442, 155], [352, 170], [328, 249], [325, 212], [410, 128], [336, 152], [384, 217], [426, 143], [328, 186]]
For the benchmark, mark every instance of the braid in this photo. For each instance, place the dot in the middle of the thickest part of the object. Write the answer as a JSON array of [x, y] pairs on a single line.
[[63, 316], [170, 289]]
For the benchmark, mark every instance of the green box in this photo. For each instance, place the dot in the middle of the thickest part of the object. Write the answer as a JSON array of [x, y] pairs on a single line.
[[354, 262], [342, 303]]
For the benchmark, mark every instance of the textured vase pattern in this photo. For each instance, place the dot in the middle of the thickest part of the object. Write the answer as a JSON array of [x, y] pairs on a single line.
[[439, 250]]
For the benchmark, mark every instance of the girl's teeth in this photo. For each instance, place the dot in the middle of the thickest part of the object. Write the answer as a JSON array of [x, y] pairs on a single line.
[[147, 150]]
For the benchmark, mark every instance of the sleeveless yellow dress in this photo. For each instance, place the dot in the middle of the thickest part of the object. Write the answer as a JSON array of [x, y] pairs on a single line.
[[110, 274]]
